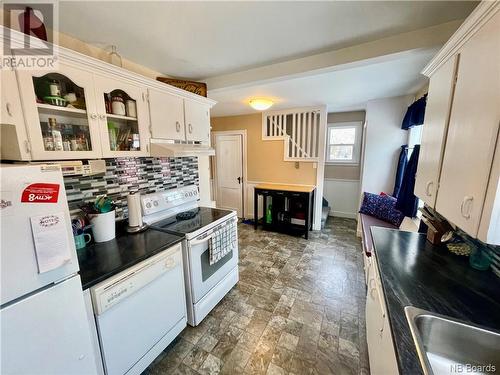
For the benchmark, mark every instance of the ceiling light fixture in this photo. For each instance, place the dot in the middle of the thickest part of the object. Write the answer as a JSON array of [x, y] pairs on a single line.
[[260, 104]]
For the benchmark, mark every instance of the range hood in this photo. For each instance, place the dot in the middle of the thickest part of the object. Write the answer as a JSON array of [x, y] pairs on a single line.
[[164, 148]]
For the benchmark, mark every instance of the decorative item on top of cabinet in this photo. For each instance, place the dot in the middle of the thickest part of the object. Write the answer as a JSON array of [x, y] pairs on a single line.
[[123, 133], [199, 88], [52, 120]]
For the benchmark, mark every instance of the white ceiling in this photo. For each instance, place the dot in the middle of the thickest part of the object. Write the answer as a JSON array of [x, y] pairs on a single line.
[[204, 39], [341, 90]]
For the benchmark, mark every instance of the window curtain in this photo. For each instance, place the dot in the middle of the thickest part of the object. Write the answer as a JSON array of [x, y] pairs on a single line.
[[402, 163], [407, 201], [415, 114]]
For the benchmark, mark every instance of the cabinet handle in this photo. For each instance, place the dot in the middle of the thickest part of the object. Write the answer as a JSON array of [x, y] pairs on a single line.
[[427, 187], [177, 126], [102, 117], [372, 291], [371, 285], [9, 109], [190, 128], [93, 116], [465, 208], [27, 146]]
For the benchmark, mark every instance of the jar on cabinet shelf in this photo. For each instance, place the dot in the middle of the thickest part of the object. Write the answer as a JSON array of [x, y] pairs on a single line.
[[118, 106]]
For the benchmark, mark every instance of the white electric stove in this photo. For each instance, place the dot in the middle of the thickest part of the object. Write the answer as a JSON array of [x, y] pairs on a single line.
[[177, 211]]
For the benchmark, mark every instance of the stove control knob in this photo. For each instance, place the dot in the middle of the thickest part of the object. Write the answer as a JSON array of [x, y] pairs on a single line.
[[148, 205], [155, 203]]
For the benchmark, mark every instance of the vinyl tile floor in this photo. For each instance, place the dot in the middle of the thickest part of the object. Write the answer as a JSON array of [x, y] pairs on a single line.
[[297, 309]]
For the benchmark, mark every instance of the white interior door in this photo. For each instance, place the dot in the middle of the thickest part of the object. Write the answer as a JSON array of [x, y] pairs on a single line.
[[229, 171]]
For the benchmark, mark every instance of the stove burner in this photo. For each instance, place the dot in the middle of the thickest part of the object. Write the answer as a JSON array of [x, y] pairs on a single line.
[[186, 215]]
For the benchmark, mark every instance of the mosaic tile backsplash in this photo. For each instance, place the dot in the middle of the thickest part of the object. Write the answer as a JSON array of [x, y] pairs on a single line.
[[123, 175]]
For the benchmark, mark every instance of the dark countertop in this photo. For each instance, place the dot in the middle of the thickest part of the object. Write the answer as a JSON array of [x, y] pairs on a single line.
[[99, 261], [415, 272]]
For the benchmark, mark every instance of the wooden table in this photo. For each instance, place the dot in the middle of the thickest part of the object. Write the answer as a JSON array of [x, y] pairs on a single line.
[[285, 197]]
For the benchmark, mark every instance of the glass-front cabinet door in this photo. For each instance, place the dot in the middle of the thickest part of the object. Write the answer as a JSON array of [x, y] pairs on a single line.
[[123, 117], [60, 113]]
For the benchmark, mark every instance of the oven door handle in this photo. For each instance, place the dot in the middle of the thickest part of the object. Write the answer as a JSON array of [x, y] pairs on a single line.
[[197, 242]]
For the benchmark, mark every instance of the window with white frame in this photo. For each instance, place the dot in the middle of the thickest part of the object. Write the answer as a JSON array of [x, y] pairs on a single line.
[[344, 143]]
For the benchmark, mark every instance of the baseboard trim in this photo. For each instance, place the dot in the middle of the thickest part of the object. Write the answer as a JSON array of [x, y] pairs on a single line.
[[347, 215]]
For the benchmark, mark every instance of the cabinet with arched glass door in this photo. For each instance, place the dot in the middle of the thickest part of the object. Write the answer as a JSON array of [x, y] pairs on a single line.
[[123, 117], [60, 113]]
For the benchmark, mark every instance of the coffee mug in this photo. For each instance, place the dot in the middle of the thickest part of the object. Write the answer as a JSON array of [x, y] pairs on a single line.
[[81, 241]]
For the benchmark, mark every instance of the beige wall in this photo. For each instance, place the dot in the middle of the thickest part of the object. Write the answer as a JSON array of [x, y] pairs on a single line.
[[344, 172], [265, 158]]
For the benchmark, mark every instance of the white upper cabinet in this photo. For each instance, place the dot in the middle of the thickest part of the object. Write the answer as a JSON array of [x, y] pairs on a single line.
[[166, 115], [473, 130], [13, 137], [197, 120], [85, 109], [123, 117], [434, 131], [60, 113]]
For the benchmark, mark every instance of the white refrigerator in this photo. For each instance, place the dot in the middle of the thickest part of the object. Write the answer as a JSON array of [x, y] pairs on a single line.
[[43, 323]]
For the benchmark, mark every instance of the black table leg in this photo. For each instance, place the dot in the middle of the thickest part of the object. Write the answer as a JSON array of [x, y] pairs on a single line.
[[308, 208], [255, 209]]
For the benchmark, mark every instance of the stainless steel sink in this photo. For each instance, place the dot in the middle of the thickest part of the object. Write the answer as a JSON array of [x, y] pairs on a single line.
[[448, 346]]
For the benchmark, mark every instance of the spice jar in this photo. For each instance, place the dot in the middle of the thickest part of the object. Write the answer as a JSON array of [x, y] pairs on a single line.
[[118, 106], [54, 87]]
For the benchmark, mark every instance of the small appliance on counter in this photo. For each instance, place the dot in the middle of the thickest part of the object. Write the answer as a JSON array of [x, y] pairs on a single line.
[[135, 223]]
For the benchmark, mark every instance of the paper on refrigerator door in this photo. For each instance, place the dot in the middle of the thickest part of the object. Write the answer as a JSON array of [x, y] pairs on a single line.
[[51, 241]]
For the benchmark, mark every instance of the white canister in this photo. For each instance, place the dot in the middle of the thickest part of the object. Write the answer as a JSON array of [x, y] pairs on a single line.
[[104, 226], [131, 108], [117, 106]]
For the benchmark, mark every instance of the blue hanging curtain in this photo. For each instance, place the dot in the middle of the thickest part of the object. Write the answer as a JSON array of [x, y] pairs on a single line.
[[407, 201], [402, 163], [415, 114]]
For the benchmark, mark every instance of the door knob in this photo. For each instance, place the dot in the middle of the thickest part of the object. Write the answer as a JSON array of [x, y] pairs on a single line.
[[239, 180]]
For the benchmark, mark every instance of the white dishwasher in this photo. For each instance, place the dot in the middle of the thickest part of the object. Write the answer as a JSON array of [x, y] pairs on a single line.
[[140, 311]]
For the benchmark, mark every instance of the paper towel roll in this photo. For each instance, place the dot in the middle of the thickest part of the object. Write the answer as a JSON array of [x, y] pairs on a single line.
[[134, 209]]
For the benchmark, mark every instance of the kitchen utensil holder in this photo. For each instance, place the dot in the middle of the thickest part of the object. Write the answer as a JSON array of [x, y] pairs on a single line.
[[104, 226]]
